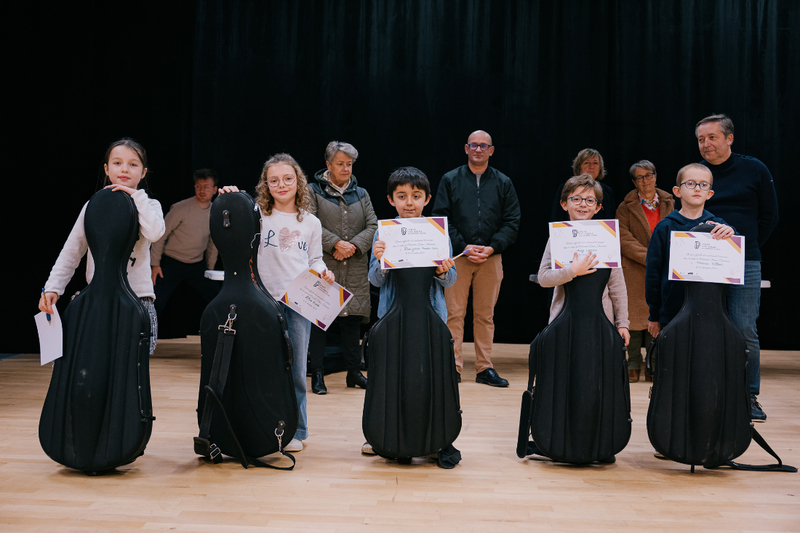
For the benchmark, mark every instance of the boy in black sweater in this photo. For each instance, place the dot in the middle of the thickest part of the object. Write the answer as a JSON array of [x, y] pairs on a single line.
[[693, 187]]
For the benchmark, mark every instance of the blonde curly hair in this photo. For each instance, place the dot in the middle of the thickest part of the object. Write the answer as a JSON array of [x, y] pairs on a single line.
[[266, 201]]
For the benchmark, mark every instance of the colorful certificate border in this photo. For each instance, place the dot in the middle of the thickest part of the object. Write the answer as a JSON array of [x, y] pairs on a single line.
[[610, 225], [736, 242], [440, 223]]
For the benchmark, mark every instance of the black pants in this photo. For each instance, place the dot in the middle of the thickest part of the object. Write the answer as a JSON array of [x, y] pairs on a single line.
[[176, 272], [350, 328]]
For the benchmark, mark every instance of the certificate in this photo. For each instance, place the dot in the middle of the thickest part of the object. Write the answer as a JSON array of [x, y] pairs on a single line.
[[583, 236], [700, 257], [316, 299], [414, 242]]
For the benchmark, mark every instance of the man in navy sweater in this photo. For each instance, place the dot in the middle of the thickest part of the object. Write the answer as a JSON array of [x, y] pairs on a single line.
[[745, 197]]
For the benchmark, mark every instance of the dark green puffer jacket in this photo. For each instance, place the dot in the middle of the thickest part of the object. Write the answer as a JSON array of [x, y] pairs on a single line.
[[348, 217]]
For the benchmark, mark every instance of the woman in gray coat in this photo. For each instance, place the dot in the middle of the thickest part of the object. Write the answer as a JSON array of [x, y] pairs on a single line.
[[348, 225]]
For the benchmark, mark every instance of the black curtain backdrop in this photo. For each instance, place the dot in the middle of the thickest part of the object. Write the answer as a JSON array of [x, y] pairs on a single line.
[[225, 84]]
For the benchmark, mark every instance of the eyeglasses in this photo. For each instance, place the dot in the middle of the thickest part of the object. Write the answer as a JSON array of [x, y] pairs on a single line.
[[691, 184], [650, 176], [577, 200], [482, 146], [286, 180]]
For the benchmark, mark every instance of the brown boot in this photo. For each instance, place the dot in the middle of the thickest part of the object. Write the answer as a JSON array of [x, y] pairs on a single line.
[[633, 375], [647, 375]]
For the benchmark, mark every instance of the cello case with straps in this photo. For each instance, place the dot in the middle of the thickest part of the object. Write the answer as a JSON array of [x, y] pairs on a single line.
[[580, 410], [98, 413], [699, 411], [246, 406], [411, 406]]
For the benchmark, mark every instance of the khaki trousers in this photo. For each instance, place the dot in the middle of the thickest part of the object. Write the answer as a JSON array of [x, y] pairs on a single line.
[[484, 278]]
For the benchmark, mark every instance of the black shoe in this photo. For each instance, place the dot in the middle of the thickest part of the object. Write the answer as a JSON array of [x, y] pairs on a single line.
[[318, 382], [458, 378], [756, 413], [356, 379], [490, 377]]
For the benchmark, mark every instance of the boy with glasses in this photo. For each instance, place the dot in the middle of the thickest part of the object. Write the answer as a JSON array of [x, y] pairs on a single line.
[[581, 198], [693, 187]]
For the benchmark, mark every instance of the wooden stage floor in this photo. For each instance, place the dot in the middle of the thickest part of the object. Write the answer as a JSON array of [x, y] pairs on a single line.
[[335, 488]]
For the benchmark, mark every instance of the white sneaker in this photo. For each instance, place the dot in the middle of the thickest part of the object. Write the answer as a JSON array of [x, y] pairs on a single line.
[[294, 446], [366, 449]]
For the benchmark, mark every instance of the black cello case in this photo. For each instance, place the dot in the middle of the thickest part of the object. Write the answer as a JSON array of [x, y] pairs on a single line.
[[98, 413], [246, 394], [411, 406], [699, 411], [580, 410]]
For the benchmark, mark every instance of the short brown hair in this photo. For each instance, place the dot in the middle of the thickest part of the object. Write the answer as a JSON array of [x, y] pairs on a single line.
[[585, 181], [725, 124], [694, 166]]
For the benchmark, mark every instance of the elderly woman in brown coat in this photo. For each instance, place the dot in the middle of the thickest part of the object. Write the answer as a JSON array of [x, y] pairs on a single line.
[[638, 215], [348, 224]]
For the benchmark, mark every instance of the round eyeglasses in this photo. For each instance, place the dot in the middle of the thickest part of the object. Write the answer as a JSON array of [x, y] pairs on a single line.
[[590, 201], [287, 180], [691, 184]]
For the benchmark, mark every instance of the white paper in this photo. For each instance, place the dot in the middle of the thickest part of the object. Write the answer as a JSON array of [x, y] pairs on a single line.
[[583, 236], [51, 339], [316, 299], [414, 242], [697, 256]]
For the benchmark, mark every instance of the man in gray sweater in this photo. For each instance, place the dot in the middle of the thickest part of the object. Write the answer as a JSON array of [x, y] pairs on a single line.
[[186, 248]]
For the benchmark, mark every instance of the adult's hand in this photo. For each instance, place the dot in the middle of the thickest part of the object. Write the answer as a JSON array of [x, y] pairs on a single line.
[[477, 254], [155, 271], [345, 249], [654, 328], [229, 188]]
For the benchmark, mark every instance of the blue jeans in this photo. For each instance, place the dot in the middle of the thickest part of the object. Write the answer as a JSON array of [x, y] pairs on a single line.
[[299, 331], [743, 303]]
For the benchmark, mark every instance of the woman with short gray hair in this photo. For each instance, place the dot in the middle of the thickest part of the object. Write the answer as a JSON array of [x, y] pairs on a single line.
[[348, 225], [638, 215]]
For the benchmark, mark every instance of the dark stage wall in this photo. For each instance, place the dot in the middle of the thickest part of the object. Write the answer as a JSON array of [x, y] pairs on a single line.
[[225, 84]]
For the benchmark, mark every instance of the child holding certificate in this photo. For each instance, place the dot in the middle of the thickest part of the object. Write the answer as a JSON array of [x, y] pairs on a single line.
[[409, 192], [693, 187], [581, 198], [291, 243]]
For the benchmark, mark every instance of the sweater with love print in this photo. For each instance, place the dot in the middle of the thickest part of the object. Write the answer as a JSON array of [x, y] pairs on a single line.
[[287, 248]]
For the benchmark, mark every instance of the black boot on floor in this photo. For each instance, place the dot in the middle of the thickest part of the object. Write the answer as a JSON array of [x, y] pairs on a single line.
[[318, 382], [356, 379]]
